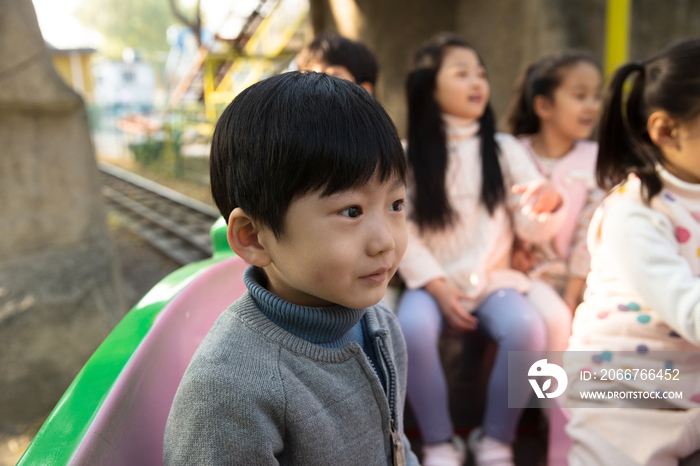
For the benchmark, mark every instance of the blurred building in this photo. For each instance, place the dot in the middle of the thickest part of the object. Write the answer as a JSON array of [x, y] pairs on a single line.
[[74, 65], [129, 84]]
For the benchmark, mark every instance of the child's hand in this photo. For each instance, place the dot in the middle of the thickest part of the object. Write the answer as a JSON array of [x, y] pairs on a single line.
[[541, 194], [522, 258], [450, 298], [573, 292]]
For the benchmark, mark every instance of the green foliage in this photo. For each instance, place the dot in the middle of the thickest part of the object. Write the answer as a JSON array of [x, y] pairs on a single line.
[[161, 151], [138, 24], [148, 152]]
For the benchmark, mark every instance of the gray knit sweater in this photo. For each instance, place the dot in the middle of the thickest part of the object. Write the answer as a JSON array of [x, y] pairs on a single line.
[[255, 394]]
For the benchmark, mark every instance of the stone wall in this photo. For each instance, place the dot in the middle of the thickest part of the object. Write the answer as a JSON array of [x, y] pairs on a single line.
[[60, 294], [658, 24]]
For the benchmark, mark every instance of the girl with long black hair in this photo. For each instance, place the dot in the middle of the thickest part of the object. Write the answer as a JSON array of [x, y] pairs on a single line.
[[471, 190]]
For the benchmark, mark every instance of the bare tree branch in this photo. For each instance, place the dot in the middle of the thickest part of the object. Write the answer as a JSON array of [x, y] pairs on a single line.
[[195, 24]]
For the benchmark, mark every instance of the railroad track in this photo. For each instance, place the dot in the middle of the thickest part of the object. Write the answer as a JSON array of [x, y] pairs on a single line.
[[173, 223]]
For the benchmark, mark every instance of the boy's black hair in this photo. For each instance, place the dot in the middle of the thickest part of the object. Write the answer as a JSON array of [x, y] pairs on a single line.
[[427, 143], [541, 78], [334, 50], [670, 81], [295, 134]]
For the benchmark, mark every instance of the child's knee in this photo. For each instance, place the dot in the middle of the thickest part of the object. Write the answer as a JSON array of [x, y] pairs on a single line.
[[526, 333], [529, 338], [419, 316]]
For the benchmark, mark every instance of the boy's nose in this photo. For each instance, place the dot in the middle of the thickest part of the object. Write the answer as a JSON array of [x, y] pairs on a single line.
[[381, 238]]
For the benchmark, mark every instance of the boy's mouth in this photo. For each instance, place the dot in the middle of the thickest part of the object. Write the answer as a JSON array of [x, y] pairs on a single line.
[[378, 276], [476, 99]]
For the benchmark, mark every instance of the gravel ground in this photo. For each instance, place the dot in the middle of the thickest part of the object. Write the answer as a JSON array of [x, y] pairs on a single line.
[[12, 446], [141, 265], [198, 190], [141, 268]]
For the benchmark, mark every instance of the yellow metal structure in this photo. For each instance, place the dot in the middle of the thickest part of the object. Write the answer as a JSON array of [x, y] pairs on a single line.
[[617, 35], [265, 54]]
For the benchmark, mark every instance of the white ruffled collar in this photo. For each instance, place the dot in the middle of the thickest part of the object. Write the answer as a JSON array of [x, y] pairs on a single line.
[[457, 128]]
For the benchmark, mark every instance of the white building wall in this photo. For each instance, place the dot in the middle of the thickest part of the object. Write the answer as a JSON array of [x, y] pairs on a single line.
[[121, 83]]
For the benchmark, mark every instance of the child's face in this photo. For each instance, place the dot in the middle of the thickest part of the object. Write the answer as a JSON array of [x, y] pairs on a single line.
[[341, 249], [461, 86], [576, 102], [338, 71], [681, 149]]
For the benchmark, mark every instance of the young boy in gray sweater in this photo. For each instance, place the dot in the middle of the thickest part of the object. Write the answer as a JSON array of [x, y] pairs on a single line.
[[307, 367]]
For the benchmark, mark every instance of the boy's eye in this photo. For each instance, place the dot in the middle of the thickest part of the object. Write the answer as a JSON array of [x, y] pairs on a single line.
[[352, 212], [397, 206]]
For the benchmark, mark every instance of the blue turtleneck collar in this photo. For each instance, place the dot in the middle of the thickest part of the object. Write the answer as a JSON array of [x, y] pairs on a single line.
[[331, 326]]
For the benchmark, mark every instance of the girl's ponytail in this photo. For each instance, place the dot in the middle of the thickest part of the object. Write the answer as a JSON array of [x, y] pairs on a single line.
[[668, 81], [492, 184], [625, 146], [427, 153], [520, 117]]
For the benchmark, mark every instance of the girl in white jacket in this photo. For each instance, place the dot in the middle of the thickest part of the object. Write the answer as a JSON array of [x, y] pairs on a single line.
[[472, 188], [641, 310]]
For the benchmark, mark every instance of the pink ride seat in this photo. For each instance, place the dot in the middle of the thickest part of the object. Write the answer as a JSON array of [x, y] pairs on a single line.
[[558, 441], [129, 427]]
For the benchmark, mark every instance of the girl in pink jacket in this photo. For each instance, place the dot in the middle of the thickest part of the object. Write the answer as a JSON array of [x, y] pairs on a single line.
[[553, 112]]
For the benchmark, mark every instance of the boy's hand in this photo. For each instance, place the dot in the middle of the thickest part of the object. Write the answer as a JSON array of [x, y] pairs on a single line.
[[450, 298], [538, 197]]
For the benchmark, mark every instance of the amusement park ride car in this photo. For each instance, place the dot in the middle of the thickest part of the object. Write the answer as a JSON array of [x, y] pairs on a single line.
[[114, 412]]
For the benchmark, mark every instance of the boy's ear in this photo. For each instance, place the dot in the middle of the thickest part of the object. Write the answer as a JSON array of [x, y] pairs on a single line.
[[242, 234], [542, 106], [663, 130]]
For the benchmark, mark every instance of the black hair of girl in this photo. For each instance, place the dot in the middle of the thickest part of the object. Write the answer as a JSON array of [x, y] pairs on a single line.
[[668, 81], [427, 143], [540, 78]]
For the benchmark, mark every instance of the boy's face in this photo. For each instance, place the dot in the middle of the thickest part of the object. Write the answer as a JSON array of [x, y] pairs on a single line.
[[338, 71], [341, 249]]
